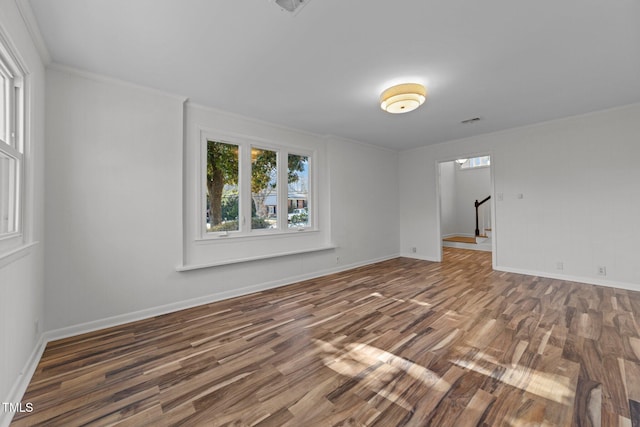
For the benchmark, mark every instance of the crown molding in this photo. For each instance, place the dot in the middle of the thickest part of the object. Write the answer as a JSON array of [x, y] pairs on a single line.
[[24, 7]]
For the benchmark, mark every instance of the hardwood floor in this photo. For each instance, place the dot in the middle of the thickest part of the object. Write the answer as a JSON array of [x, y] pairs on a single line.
[[399, 343]]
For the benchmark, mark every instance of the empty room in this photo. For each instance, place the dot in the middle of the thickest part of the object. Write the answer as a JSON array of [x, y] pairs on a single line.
[[319, 213]]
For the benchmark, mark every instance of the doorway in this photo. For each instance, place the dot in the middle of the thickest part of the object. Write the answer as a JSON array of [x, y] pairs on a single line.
[[466, 206]]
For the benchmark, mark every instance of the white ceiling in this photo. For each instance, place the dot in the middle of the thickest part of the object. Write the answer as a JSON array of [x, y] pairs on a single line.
[[509, 62]]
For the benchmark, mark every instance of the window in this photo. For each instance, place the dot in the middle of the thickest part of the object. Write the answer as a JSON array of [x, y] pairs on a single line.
[[270, 185], [298, 194], [11, 144], [476, 162]]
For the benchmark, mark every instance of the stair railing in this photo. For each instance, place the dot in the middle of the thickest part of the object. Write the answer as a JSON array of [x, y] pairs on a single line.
[[477, 205]]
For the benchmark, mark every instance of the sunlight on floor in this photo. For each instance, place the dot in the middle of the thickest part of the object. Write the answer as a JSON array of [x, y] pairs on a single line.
[[363, 361], [549, 386]]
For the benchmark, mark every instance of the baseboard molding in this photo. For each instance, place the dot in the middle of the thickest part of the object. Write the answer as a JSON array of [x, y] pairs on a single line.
[[182, 305], [469, 246], [570, 278], [420, 257], [23, 380]]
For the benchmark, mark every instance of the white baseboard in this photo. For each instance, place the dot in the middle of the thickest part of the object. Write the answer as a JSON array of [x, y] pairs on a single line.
[[570, 278], [182, 305], [22, 382], [484, 247], [420, 257]]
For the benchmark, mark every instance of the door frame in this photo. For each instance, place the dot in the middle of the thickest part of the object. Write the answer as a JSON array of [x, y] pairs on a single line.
[[494, 224]]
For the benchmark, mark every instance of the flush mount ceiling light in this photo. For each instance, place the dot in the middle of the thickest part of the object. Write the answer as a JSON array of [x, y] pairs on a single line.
[[403, 98], [292, 6]]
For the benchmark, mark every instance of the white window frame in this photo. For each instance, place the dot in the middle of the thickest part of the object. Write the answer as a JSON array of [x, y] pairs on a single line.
[[245, 145], [13, 144]]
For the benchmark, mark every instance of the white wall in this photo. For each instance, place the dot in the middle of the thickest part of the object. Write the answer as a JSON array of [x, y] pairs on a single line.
[[471, 185], [114, 206], [459, 189], [579, 180], [21, 279], [448, 218]]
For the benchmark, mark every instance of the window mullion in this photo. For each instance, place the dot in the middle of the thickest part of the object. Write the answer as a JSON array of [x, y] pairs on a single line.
[[283, 189], [244, 178]]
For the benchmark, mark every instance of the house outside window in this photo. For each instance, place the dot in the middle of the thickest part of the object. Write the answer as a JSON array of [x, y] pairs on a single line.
[[255, 189]]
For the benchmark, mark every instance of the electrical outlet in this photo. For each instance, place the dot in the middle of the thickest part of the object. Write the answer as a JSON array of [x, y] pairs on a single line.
[[337, 260], [414, 250], [602, 270], [559, 265]]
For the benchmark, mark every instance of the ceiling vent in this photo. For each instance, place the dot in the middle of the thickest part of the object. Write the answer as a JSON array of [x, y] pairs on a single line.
[[292, 6]]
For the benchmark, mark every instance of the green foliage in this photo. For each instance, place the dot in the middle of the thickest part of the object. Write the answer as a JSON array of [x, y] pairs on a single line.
[[226, 226], [301, 218], [295, 164], [265, 163], [222, 158], [256, 223], [222, 169], [262, 168], [230, 206]]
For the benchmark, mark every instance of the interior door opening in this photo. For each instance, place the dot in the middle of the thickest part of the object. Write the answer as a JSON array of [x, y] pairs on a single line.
[[466, 206]]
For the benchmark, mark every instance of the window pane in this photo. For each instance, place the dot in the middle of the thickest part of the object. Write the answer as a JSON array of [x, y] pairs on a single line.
[[222, 209], [264, 191], [476, 162], [8, 191], [298, 191]]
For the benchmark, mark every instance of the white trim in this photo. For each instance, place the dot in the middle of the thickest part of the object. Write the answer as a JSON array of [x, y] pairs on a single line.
[[364, 144], [183, 305], [101, 78], [420, 257], [569, 278], [15, 254], [254, 258], [229, 114], [24, 378], [30, 21], [518, 129], [483, 247]]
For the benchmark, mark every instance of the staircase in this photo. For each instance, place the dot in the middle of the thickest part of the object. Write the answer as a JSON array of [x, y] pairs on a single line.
[[482, 239], [476, 243]]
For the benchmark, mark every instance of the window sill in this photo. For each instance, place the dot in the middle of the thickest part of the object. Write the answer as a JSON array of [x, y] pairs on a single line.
[[182, 268], [258, 234], [15, 254]]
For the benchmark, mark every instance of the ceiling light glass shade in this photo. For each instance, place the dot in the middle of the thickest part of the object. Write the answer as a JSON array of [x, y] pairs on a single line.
[[461, 161], [403, 98]]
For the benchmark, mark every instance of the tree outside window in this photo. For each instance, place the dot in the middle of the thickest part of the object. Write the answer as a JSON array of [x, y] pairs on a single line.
[[224, 197]]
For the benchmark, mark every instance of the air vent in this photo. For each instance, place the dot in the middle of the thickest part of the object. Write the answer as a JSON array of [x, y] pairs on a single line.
[[473, 120], [292, 6]]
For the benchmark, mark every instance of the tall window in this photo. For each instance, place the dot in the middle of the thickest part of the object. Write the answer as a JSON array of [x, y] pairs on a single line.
[[256, 190], [11, 144], [264, 188], [298, 194], [222, 207]]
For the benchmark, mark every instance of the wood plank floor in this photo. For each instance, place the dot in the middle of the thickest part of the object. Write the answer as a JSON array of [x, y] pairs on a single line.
[[399, 343], [461, 239]]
